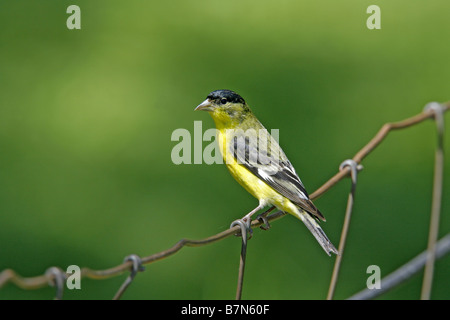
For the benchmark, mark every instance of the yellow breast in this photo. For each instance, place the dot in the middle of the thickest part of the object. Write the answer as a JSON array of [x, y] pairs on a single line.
[[254, 185]]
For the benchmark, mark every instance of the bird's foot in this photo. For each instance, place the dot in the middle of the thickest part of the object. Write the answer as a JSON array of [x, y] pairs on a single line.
[[265, 222], [263, 218]]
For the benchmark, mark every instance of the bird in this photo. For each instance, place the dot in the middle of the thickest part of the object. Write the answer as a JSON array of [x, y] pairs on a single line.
[[257, 162]]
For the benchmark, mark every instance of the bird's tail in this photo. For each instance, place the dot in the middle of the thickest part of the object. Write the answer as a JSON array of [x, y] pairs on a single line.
[[313, 226]]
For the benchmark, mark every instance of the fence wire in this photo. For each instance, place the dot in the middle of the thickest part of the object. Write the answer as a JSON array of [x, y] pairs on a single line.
[[55, 276]]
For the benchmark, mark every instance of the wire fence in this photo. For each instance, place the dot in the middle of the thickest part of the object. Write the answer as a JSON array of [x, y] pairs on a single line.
[[55, 276]]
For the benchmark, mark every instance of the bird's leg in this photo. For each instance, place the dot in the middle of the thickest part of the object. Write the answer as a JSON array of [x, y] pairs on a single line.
[[263, 218], [248, 216]]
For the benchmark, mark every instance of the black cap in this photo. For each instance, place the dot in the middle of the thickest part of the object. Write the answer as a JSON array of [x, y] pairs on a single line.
[[231, 96]]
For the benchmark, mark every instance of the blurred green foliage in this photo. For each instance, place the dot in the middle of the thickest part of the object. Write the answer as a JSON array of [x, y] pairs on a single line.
[[86, 118]]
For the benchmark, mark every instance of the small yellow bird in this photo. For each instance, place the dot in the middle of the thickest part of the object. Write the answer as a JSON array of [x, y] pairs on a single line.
[[255, 159]]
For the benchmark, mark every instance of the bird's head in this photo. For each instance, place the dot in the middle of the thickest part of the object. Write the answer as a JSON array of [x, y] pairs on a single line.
[[225, 106]]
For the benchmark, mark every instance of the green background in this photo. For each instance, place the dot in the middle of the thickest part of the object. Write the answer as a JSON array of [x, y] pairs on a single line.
[[86, 118]]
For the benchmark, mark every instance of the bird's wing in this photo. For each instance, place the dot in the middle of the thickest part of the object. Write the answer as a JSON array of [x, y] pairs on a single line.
[[260, 153]]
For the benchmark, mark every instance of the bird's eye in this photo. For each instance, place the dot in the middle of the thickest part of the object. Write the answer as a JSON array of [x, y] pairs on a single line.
[[223, 101]]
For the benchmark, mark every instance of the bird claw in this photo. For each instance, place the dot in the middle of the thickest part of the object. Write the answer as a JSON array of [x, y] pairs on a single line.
[[263, 218], [243, 223]]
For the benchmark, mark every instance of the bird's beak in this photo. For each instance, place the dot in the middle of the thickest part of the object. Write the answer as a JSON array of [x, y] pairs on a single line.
[[205, 106]]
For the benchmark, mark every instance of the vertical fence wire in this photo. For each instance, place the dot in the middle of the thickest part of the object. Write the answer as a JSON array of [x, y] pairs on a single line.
[[354, 168], [137, 267], [245, 229], [438, 182]]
